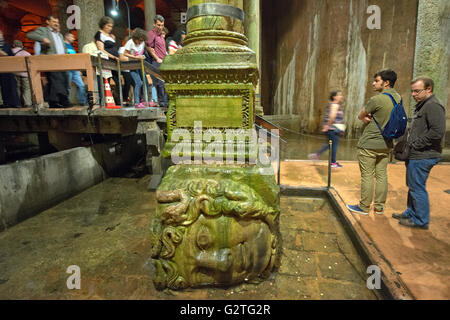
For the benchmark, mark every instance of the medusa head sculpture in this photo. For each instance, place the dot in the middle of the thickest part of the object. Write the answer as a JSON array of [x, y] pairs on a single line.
[[212, 232]]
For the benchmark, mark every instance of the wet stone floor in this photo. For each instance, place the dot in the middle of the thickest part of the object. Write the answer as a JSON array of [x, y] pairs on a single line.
[[104, 231]]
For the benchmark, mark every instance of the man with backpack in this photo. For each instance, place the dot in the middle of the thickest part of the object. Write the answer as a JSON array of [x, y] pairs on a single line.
[[425, 143], [373, 147]]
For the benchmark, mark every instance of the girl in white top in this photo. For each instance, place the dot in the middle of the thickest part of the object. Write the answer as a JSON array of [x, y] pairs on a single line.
[[134, 49]]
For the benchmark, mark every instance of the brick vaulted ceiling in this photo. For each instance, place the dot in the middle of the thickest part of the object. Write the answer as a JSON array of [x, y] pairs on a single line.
[[12, 11], [18, 8]]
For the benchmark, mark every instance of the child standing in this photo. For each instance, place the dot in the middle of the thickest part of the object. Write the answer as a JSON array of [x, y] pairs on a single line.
[[134, 49]]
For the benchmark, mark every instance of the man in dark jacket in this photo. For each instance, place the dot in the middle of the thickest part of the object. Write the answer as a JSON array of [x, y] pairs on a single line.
[[425, 141]]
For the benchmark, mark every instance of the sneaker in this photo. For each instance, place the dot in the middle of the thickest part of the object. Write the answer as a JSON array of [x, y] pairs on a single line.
[[140, 105], [151, 104], [336, 165], [313, 156], [356, 209], [379, 211]]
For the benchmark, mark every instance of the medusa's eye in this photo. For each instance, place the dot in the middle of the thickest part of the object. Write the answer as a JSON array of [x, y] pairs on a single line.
[[204, 238]]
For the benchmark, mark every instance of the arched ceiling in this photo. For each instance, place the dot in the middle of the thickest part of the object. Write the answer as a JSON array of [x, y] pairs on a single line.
[[16, 9]]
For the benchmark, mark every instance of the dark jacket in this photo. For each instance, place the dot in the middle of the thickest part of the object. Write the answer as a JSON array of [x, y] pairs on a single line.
[[427, 130]]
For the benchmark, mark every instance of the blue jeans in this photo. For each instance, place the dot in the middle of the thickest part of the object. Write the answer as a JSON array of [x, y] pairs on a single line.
[[417, 172], [332, 135], [75, 77], [154, 94], [137, 85], [163, 98]]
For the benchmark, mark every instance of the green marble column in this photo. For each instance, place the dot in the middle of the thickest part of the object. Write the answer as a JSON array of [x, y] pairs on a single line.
[[216, 222]]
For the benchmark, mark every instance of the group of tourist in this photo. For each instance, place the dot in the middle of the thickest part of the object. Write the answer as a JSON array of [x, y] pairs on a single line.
[[423, 140], [151, 46]]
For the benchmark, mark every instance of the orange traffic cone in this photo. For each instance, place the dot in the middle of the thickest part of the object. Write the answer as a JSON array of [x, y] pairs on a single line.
[[109, 99]]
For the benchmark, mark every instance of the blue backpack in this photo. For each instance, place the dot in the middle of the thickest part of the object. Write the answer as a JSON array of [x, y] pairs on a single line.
[[398, 120]]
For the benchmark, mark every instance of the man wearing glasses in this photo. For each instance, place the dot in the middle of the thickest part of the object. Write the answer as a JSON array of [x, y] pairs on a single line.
[[425, 141]]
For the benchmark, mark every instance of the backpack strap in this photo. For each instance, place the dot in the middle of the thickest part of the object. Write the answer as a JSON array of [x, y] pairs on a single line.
[[392, 98], [395, 105]]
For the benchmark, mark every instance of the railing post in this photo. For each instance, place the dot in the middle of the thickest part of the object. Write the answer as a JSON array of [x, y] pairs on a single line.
[[120, 83], [330, 142], [100, 70], [144, 79]]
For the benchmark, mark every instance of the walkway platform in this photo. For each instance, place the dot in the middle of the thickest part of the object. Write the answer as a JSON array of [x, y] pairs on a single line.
[[415, 258]]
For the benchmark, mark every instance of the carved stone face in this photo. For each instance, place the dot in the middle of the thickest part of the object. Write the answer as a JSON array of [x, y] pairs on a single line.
[[224, 251], [212, 230]]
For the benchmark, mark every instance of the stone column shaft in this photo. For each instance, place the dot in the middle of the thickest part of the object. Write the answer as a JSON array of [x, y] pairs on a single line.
[[252, 27], [432, 56], [150, 13], [91, 13]]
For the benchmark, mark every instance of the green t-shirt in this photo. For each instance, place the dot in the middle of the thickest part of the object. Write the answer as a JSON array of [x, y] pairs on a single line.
[[380, 106]]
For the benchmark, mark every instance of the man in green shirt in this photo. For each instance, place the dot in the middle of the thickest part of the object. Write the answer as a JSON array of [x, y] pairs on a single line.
[[373, 149]]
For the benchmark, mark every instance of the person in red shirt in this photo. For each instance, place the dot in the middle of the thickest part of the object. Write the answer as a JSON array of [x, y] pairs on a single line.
[[156, 48]]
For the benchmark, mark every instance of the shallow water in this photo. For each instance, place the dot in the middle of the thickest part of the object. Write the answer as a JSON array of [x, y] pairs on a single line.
[[105, 231]]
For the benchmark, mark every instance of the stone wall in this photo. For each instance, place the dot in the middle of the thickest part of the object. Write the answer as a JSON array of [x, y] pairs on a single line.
[[433, 49], [312, 47], [31, 186]]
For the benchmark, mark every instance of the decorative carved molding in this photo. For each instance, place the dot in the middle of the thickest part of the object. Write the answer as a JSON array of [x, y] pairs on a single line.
[[190, 50], [216, 35], [235, 76]]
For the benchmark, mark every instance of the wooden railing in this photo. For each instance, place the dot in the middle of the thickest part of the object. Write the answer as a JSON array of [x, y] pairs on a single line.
[[119, 66], [34, 65]]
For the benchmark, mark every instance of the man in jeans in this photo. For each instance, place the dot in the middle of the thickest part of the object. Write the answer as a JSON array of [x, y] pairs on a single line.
[[156, 47], [425, 138], [373, 149]]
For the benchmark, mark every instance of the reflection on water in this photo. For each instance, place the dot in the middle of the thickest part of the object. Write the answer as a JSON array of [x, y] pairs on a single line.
[[105, 231]]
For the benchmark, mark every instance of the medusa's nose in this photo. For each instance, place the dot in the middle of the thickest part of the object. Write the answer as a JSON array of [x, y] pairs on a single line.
[[221, 260]]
